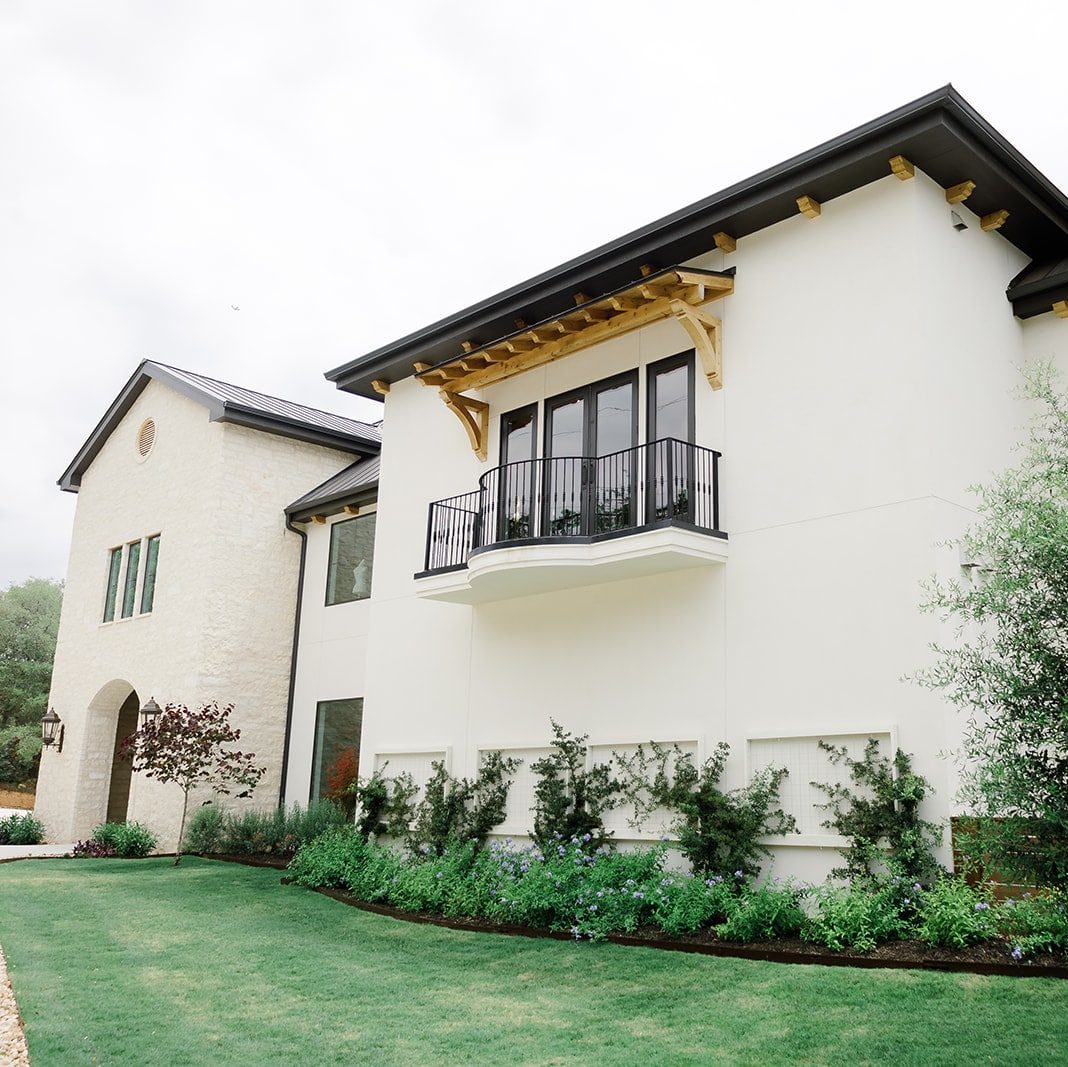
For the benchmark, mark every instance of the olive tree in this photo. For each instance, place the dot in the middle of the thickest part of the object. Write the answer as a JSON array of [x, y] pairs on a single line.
[[1008, 666]]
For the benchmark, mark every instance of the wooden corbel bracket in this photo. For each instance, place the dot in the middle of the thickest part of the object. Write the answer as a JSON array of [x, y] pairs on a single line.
[[706, 332], [474, 415]]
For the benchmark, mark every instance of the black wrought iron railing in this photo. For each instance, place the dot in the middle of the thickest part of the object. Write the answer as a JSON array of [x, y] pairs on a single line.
[[663, 482]]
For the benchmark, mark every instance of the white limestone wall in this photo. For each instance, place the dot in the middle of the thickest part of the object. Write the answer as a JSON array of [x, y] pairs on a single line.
[[221, 627], [869, 365], [331, 658]]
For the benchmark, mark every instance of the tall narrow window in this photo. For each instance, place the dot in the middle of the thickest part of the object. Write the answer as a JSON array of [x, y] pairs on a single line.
[[133, 560], [148, 590], [336, 756], [352, 548], [114, 566], [516, 486], [671, 399]]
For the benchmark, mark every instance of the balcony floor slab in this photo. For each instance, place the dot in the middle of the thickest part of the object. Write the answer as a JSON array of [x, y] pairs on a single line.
[[504, 571]]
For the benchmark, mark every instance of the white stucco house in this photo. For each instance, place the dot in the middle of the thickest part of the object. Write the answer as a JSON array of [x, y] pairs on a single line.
[[684, 488]]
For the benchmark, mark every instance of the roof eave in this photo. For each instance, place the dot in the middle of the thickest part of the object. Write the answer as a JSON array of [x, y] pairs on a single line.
[[762, 199]]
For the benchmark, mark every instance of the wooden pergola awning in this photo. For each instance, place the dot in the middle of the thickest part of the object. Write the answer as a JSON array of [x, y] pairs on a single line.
[[677, 293]]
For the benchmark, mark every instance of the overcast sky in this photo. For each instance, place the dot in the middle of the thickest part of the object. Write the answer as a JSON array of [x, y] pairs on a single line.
[[347, 172]]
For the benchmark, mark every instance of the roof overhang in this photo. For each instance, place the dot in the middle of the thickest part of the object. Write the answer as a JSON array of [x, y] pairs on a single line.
[[940, 133], [1040, 287], [218, 411]]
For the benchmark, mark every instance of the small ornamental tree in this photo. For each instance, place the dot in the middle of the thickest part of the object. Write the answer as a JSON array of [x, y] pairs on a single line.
[[192, 748]]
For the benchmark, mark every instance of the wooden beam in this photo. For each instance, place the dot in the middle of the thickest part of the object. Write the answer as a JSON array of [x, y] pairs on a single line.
[[902, 168], [724, 241], [519, 345], [380, 387], [625, 303], [704, 330], [467, 346], [807, 206], [352, 509], [1060, 309], [957, 194], [474, 416], [619, 324], [319, 520], [994, 221]]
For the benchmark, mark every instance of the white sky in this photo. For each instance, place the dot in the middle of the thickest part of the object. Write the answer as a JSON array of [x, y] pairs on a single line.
[[348, 172]]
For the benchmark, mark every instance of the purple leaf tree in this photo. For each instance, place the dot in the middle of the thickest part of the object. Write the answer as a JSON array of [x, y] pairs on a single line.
[[193, 748]]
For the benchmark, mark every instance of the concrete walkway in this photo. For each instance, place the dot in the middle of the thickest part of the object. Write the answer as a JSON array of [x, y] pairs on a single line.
[[18, 852]]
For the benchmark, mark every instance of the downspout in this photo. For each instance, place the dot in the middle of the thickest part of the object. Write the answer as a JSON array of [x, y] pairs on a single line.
[[293, 660]]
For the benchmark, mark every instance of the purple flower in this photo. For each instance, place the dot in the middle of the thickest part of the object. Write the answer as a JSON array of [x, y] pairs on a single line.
[[438, 875], [585, 837], [593, 907], [738, 874], [917, 886], [639, 895], [1017, 953], [982, 906]]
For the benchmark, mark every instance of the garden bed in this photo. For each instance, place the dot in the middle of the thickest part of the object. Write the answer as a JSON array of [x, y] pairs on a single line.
[[992, 957], [17, 796]]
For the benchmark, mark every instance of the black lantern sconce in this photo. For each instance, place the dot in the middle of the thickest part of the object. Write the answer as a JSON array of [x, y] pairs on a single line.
[[150, 712], [52, 730]]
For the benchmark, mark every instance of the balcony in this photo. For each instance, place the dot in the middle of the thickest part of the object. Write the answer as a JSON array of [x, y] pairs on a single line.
[[556, 523]]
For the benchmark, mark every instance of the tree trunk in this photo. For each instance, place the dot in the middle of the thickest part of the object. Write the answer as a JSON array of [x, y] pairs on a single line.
[[181, 829]]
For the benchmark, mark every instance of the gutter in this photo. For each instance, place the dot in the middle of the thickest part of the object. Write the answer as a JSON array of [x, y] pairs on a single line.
[[293, 660]]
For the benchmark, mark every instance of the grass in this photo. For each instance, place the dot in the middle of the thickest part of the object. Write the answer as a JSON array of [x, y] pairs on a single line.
[[140, 962]]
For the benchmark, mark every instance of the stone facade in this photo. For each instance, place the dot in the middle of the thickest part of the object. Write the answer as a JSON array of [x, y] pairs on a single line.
[[221, 627]]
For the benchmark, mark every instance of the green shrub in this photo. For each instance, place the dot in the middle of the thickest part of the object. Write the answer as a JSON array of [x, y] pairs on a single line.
[[278, 832], [205, 830], [386, 805], [1035, 923], [21, 830], [692, 904], [460, 811], [127, 839], [953, 914], [765, 913], [570, 799], [882, 819], [861, 916], [20, 752], [717, 831]]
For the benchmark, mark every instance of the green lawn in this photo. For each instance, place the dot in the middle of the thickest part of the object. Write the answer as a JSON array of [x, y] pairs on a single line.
[[140, 963]]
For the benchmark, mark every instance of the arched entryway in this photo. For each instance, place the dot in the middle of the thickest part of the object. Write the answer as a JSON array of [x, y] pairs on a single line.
[[122, 770], [105, 781]]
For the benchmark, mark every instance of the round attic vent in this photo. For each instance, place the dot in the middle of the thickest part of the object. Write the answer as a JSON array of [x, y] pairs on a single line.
[[146, 438]]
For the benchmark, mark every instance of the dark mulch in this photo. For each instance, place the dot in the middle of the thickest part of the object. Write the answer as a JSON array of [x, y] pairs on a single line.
[[992, 957]]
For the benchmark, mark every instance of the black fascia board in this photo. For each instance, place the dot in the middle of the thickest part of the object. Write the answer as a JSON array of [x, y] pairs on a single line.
[[256, 420], [365, 494], [941, 133]]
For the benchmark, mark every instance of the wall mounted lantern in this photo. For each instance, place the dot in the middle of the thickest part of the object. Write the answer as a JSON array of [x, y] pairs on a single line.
[[52, 730], [150, 712]]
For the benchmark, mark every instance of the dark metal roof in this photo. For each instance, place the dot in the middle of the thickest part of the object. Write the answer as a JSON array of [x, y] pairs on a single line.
[[355, 483], [941, 133], [1039, 286], [228, 403]]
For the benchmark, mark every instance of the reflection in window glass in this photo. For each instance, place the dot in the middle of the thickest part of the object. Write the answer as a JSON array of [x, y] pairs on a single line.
[[352, 546], [133, 560], [148, 593], [114, 566], [336, 756], [671, 417]]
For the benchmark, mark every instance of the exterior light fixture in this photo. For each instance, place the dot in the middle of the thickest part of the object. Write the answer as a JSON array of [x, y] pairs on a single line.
[[150, 712], [52, 730]]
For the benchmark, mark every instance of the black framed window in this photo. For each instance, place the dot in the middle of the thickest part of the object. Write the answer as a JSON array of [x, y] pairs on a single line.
[[352, 549], [669, 399], [516, 487], [589, 478], [114, 567], [336, 752]]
